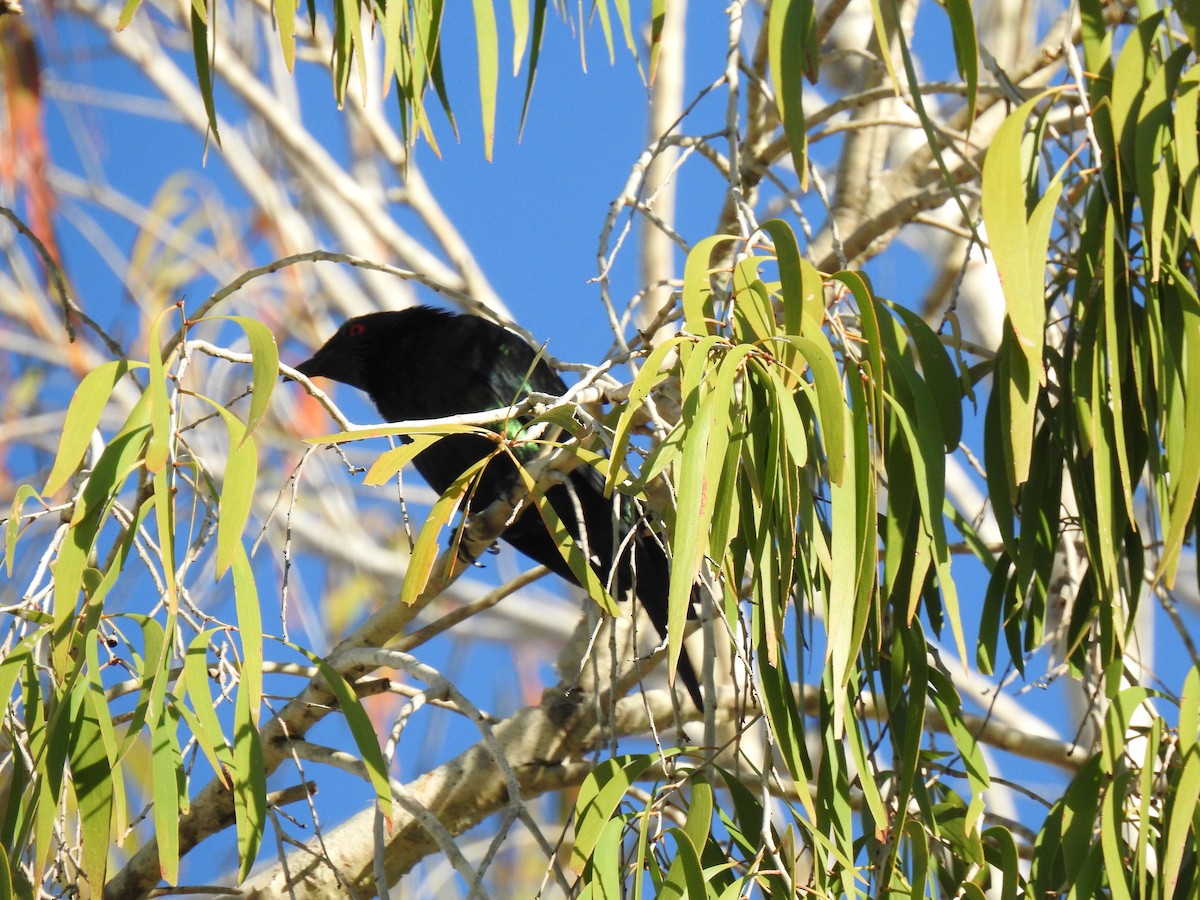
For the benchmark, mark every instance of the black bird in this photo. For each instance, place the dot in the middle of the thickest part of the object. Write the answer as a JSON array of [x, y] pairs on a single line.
[[424, 363]]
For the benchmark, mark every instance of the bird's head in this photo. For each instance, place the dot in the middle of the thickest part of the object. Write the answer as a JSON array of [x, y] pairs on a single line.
[[353, 351]]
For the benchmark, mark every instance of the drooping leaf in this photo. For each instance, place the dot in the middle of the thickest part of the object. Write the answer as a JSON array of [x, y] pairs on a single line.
[[83, 415], [792, 56]]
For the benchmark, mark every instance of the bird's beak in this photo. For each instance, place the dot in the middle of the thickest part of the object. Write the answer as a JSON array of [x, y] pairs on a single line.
[[310, 367]]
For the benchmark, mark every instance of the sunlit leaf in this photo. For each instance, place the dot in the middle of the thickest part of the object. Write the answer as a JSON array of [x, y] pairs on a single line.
[[599, 795], [685, 876], [652, 373], [488, 50], [1018, 242], [210, 735], [83, 416], [285, 22], [204, 76], [792, 56], [572, 553], [13, 527], [92, 780], [237, 488], [426, 548], [169, 792], [360, 728]]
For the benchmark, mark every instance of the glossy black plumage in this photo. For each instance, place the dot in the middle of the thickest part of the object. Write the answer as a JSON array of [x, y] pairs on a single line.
[[423, 363]]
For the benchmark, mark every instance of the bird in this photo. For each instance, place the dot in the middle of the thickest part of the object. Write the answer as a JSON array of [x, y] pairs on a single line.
[[427, 363]]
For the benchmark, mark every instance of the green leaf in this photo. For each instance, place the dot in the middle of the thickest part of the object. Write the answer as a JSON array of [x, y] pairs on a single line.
[[119, 458], [13, 527], [126, 16], [697, 292], [1001, 852], [843, 580], [831, 404], [605, 863], [164, 509], [933, 138], [1018, 243], [939, 373], [658, 15], [169, 793], [1129, 80], [1187, 156], [651, 373], [795, 435], [599, 795], [946, 700], [685, 877], [966, 50], [158, 448], [705, 440], [792, 283], [360, 727], [572, 553], [792, 55], [83, 416], [249, 616], [1189, 710], [699, 813], [1111, 823], [392, 30], [925, 455], [265, 353], [391, 462], [6, 882], [237, 489], [520, 22], [426, 548], [285, 22], [249, 773], [1154, 155], [209, 734], [787, 727], [108, 734], [152, 669], [204, 77], [539, 22], [856, 743], [407, 429], [1184, 802], [489, 66], [1183, 456], [623, 14], [92, 779]]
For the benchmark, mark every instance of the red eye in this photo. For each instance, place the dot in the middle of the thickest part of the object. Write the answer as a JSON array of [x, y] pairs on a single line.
[[357, 329]]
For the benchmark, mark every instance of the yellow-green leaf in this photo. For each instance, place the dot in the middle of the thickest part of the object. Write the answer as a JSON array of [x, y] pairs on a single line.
[[567, 546], [13, 527], [792, 55], [166, 764], [599, 795], [92, 779], [83, 415], [697, 292], [427, 545], [209, 735], [489, 67], [360, 728], [265, 367], [1018, 243], [285, 21], [391, 462]]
